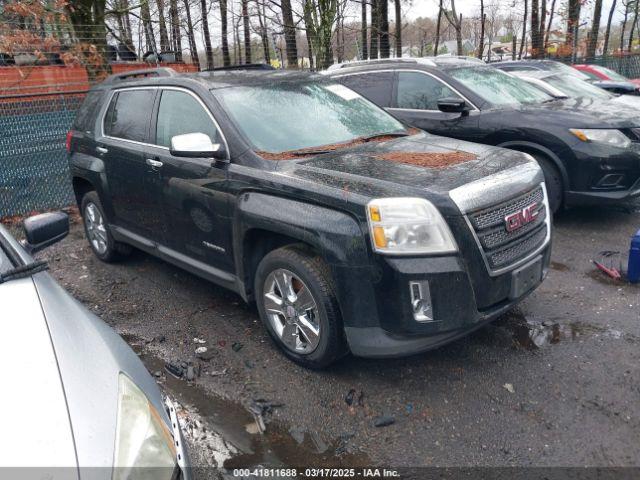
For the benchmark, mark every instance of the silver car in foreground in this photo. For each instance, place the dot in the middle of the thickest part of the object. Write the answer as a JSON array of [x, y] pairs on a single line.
[[77, 402]]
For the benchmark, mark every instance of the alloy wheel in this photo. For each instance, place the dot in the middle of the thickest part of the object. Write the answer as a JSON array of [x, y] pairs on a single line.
[[96, 230]]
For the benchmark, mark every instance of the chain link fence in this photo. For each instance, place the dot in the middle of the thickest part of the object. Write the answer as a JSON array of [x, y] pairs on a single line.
[[34, 172]]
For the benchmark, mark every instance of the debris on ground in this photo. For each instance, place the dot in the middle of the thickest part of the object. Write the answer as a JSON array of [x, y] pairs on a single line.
[[350, 399], [191, 373], [200, 350], [259, 408], [383, 421], [157, 374], [297, 433], [206, 354], [218, 373], [174, 370], [237, 346], [509, 388], [605, 264], [199, 340], [318, 443]]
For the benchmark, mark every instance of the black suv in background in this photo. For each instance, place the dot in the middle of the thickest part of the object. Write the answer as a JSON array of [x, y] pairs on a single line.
[[590, 153], [349, 230]]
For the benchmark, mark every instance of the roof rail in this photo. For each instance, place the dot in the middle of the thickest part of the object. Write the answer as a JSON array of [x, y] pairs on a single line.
[[357, 63], [138, 74], [246, 66]]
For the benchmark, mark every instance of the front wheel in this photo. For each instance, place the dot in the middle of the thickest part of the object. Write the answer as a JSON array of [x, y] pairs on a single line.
[[553, 181], [297, 304]]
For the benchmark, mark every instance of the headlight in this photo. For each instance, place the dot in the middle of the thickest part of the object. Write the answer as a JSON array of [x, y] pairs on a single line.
[[144, 445], [614, 138], [408, 226]]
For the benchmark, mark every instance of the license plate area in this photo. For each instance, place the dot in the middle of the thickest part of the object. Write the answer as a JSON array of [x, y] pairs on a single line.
[[525, 278]]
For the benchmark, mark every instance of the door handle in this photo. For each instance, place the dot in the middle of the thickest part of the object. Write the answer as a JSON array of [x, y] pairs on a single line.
[[154, 163], [102, 150]]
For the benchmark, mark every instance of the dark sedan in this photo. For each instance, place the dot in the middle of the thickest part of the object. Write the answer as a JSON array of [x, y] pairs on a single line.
[[589, 154]]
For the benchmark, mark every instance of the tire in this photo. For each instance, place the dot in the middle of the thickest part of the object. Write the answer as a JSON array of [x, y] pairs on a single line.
[[96, 229], [311, 286], [553, 181]]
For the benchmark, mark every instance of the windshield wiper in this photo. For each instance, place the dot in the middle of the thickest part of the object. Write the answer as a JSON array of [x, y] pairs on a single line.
[[24, 271], [389, 134]]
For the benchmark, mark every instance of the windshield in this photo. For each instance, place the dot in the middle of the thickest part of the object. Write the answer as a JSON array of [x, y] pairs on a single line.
[[566, 69], [499, 88], [574, 87], [612, 75], [294, 116]]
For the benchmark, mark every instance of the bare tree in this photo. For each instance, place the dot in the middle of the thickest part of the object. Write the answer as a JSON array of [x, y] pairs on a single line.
[[247, 32], [149, 36], [595, 29], [165, 46], [176, 36], [551, 12], [290, 34], [438, 24], [375, 28], [524, 29], [456, 22], [224, 28], [205, 33], [483, 19], [383, 22], [624, 22], [398, 14], [264, 35], [193, 49], [607, 33], [633, 24], [573, 23], [363, 31]]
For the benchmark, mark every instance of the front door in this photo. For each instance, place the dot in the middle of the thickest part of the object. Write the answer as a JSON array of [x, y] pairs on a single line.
[[416, 103], [194, 192], [133, 186]]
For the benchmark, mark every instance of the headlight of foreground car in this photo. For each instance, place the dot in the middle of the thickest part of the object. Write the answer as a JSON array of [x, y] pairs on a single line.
[[408, 226], [614, 138], [144, 445]]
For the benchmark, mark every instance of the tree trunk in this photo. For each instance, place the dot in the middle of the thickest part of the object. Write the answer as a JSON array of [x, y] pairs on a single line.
[[437, 42], [633, 25], [573, 21], [193, 49], [383, 21], [595, 30], [205, 33], [247, 33], [175, 29], [165, 46], [624, 25], [398, 14], [514, 45], [605, 48], [483, 19], [524, 29], [289, 34], [363, 32], [546, 35], [264, 36], [224, 26], [535, 29], [149, 37], [375, 32], [543, 19], [87, 18]]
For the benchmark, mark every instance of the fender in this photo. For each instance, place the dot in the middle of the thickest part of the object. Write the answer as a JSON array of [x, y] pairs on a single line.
[[93, 171], [336, 235], [528, 147]]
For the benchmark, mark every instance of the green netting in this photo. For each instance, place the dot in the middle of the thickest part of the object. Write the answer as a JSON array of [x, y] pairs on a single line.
[[34, 173]]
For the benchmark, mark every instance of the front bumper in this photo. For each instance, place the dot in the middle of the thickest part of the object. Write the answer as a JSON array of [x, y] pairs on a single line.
[[459, 305]]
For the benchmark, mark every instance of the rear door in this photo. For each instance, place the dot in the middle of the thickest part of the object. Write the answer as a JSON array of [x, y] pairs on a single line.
[[133, 187], [194, 190], [416, 102]]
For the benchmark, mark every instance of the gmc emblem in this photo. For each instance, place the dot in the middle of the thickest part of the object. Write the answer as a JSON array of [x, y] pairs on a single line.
[[520, 218]]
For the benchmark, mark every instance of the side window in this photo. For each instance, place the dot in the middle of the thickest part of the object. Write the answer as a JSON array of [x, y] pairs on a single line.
[[421, 92], [128, 115], [180, 113], [85, 118], [375, 86]]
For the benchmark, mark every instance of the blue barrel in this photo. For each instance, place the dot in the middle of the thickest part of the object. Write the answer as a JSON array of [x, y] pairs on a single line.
[[633, 271]]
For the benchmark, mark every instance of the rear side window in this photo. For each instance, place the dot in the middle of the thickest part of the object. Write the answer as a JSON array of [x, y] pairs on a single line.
[[374, 86], [128, 115], [85, 118], [181, 113], [421, 92]]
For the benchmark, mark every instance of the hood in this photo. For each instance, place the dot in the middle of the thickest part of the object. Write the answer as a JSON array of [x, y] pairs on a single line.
[[35, 415], [628, 101], [90, 357], [378, 170], [581, 112]]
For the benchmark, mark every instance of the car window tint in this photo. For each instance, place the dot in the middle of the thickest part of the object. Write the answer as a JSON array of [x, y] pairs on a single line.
[[374, 86], [181, 113], [85, 118], [422, 92], [128, 115]]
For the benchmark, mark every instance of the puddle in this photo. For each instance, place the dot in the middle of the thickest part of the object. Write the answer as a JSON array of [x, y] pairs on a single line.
[[229, 436], [534, 334]]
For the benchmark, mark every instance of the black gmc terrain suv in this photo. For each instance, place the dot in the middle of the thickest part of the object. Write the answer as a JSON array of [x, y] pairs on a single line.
[[349, 230]]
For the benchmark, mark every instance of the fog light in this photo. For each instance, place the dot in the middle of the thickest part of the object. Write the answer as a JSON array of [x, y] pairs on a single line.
[[421, 301]]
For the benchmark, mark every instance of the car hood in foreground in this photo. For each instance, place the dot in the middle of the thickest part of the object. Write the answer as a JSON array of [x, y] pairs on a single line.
[[377, 169], [35, 420]]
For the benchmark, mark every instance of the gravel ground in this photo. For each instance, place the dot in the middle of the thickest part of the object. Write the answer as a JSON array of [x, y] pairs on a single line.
[[554, 383]]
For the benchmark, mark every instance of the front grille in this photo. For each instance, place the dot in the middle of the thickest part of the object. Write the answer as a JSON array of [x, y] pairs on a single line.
[[502, 248]]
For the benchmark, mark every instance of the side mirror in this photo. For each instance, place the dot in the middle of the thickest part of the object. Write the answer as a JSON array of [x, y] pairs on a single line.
[[42, 231], [453, 105], [196, 145]]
